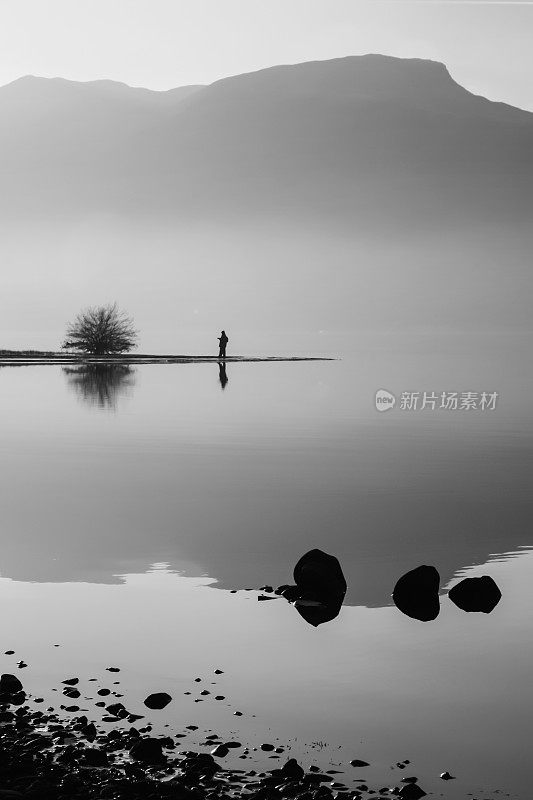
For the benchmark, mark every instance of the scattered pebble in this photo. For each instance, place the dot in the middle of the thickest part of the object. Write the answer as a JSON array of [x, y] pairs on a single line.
[[158, 700]]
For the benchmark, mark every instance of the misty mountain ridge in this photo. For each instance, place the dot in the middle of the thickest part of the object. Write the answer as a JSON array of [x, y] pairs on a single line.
[[341, 138], [366, 191]]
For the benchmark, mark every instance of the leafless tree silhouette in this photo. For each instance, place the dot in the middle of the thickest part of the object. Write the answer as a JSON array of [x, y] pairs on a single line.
[[101, 330]]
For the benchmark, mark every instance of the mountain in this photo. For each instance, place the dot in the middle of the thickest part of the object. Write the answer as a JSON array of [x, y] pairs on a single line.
[[381, 172], [367, 139]]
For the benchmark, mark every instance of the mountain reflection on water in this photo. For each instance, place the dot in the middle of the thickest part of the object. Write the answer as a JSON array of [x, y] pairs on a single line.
[[100, 384]]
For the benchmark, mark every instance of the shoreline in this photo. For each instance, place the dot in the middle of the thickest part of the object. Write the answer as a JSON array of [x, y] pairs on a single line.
[[45, 755], [30, 357]]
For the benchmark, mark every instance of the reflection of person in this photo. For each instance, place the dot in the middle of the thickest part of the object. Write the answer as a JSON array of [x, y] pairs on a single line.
[[223, 341], [222, 376]]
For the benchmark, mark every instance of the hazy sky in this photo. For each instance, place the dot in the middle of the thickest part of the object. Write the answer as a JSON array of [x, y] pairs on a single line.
[[165, 43]]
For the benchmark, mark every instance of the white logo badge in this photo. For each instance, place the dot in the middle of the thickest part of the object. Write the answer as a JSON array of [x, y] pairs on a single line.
[[384, 400]]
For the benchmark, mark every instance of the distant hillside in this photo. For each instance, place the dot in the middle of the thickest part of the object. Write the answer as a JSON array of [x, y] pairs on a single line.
[[363, 192], [361, 139]]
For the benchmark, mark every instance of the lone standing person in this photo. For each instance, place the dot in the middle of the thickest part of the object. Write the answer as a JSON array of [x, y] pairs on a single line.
[[222, 342]]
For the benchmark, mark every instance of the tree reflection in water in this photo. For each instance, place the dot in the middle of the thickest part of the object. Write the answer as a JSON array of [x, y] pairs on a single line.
[[101, 385]]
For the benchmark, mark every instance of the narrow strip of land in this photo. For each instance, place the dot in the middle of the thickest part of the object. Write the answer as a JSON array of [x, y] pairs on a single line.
[[15, 357]]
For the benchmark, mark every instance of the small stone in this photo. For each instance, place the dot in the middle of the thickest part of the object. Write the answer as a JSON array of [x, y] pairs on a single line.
[[94, 757], [292, 770], [446, 776], [70, 691], [205, 692], [158, 700], [220, 751], [71, 681], [220, 697], [233, 744], [218, 672], [103, 692], [113, 669], [411, 791], [357, 762], [89, 732], [117, 710], [21, 664], [148, 749], [267, 748], [9, 653], [237, 713]]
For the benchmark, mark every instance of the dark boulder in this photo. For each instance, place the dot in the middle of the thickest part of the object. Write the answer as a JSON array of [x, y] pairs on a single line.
[[93, 757], [411, 791], [158, 700], [320, 587], [320, 573], [9, 684], [89, 732], [416, 594], [476, 594], [292, 770], [117, 710], [148, 750], [220, 751]]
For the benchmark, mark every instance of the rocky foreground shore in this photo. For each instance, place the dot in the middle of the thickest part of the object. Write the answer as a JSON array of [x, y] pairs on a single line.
[[46, 756]]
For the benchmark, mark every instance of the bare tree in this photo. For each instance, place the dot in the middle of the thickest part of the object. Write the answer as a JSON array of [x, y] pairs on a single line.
[[101, 330]]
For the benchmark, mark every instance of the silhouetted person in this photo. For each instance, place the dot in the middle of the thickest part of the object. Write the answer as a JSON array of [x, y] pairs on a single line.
[[222, 376], [223, 341]]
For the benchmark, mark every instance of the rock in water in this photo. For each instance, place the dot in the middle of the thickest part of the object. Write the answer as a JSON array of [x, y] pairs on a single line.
[[292, 770], [416, 594], [320, 587], [476, 594], [319, 573], [148, 750], [411, 791], [220, 751], [158, 700], [9, 684]]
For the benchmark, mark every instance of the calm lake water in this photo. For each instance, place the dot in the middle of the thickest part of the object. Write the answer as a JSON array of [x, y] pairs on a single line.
[[133, 501]]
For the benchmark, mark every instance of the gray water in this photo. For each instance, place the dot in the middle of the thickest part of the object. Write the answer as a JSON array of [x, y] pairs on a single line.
[[134, 500]]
